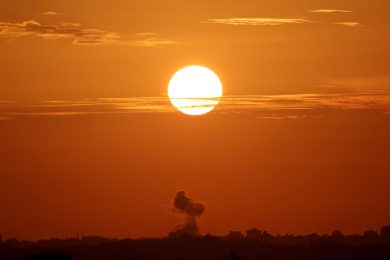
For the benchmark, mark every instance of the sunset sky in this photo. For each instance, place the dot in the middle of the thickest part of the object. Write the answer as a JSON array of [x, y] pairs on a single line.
[[89, 141]]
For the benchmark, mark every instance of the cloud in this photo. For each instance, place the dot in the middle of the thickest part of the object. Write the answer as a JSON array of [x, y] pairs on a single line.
[[77, 34], [66, 24], [258, 21], [261, 106], [349, 24], [305, 102], [330, 11], [282, 117], [50, 13], [150, 40]]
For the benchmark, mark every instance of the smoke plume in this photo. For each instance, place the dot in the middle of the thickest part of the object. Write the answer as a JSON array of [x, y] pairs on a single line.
[[192, 210]]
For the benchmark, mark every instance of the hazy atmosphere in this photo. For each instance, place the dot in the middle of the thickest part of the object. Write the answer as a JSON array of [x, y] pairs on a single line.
[[91, 141]]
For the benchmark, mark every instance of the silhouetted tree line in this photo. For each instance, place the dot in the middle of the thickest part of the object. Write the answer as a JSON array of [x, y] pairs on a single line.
[[254, 244]]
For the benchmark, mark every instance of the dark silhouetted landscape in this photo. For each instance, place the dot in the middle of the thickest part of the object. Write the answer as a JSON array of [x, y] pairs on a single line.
[[254, 244]]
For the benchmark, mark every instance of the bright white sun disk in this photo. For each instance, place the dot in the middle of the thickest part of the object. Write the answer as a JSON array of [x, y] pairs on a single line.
[[195, 90]]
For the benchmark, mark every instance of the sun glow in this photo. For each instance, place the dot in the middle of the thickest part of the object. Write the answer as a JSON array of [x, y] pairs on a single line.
[[195, 90]]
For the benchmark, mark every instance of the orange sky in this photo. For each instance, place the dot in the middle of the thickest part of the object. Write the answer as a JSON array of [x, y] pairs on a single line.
[[306, 57], [299, 144]]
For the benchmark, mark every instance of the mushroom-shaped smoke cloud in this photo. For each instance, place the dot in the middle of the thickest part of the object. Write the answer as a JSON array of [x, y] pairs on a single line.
[[192, 210]]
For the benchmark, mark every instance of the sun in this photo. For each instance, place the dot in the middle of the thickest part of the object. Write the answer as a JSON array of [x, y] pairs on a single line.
[[195, 90]]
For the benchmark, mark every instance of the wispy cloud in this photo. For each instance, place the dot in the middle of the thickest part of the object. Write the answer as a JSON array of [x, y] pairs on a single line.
[[150, 39], [349, 24], [77, 34], [67, 24], [330, 11], [296, 102], [281, 117], [296, 106], [258, 21], [50, 13]]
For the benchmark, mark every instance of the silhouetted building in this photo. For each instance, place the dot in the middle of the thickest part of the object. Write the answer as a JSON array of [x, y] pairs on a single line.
[[94, 240], [312, 237], [12, 242], [371, 236], [366, 246], [266, 236], [253, 234], [385, 233], [210, 237], [337, 234], [235, 235]]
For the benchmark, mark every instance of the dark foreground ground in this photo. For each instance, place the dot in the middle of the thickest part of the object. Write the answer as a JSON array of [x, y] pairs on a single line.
[[195, 248]]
